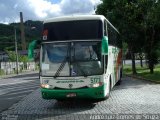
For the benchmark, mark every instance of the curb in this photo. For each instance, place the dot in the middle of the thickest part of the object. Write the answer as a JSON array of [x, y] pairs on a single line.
[[138, 77]]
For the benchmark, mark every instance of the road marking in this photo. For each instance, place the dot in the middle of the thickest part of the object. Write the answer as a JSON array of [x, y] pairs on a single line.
[[17, 82], [20, 92], [8, 90], [16, 97]]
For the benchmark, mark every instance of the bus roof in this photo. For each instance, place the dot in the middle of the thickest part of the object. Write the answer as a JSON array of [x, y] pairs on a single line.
[[75, 17]]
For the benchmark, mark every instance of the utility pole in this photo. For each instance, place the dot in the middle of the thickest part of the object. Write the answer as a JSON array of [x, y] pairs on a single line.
[[22, 32], [15, 34]]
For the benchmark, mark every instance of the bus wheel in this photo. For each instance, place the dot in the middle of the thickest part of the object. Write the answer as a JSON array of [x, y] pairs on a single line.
[[119, 82], [120, 79]]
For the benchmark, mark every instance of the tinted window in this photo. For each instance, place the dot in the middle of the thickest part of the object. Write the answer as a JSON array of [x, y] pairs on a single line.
[[74, 30], [114, 37], [119, 42], [105, 28]]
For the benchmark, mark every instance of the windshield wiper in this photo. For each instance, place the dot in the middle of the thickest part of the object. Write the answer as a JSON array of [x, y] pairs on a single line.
[[62, 64], [61, 67]]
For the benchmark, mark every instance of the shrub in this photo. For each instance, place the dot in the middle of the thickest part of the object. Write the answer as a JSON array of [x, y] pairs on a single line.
[[2, 72]]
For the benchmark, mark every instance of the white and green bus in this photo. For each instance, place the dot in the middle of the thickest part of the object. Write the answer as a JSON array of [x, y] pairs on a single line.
[[80, 57]]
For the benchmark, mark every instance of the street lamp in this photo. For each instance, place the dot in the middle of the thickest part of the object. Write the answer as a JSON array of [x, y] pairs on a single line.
[[16, 50]]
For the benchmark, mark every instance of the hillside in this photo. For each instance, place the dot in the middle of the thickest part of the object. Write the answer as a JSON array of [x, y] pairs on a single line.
[[33, 30]]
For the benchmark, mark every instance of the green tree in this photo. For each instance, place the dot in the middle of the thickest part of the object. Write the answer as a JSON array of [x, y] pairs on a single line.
[[12, 57], [33, 30], [122, 15], [151, 26], [138, 23]]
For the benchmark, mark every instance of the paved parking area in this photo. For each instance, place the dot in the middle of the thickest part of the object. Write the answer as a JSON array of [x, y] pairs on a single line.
[[131, 97], [14, 88]]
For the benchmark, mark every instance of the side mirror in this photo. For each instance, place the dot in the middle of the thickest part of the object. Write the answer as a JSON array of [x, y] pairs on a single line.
[[31, 47], [105, 45]]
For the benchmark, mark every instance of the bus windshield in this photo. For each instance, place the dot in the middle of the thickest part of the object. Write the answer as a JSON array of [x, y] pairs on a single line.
[[72, 59], [74, 30]]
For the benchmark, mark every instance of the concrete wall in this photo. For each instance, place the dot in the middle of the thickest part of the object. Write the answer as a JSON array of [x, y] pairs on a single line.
[[10, 67]]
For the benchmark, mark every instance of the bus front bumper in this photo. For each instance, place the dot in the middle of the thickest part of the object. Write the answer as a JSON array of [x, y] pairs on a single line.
[[89, 93]]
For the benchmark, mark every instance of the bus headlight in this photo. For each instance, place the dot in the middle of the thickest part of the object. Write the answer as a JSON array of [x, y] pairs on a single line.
[[96, 84], [45, 86]]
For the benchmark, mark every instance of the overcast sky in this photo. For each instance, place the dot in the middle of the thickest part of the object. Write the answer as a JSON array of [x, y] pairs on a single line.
[[42, 9]]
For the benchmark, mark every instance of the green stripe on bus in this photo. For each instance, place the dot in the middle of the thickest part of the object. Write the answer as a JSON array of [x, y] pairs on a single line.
[[80, 93]]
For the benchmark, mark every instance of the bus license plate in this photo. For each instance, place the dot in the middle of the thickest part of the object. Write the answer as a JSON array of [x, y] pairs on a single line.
[[71, 95]]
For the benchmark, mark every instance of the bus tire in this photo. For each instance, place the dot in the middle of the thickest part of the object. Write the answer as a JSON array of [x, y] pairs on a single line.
[[121, 73], [120, 79], [119, 82]]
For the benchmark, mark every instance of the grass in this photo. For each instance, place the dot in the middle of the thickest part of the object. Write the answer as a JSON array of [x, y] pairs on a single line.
[[144, 72], [2, 72]]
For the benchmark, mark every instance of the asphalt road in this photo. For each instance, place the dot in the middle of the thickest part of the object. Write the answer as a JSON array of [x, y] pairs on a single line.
[[129, 62], [13, 89], [133, 99]]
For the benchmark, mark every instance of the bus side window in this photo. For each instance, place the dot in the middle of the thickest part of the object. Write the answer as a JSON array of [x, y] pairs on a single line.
[[105, 29], [119, 41], [112, 35], [105, 34]]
